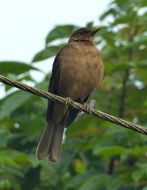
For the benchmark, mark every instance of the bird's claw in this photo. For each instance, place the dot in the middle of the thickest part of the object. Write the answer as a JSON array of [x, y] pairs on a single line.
[[88, 108], [67, 102]]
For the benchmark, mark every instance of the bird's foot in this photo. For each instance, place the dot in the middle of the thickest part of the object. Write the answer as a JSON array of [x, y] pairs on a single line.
[[68, 101], [88, 108]]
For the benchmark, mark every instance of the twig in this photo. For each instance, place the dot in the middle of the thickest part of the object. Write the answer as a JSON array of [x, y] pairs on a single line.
[[75, 105], [123, 94]]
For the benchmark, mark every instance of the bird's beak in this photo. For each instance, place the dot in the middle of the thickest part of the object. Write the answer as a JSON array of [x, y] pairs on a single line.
[[95, 30]]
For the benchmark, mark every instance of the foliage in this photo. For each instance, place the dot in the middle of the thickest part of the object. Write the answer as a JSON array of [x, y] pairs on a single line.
[[96, 154]]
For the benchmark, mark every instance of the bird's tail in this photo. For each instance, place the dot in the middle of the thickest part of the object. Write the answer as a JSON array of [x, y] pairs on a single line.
[[50, 143]]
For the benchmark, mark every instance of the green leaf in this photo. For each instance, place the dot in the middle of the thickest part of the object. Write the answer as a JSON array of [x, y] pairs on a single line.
[[9, 161], [12, 102], [109, 68], [61, 31], [145, 188], [91, 184], [5, 184], [4, 137], [140, 40], [78, 179], [95, 182], [109, 151], [111, 11], [15, 67], [47, 53], [113, 129], [137, 175], [138, 151], [62, 167], [32, 159]]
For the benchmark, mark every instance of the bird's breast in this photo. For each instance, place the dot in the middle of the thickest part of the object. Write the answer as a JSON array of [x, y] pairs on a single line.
[[80, 71]]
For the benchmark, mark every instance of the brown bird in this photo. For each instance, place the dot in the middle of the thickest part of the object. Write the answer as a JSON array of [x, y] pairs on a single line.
[[77, 70]]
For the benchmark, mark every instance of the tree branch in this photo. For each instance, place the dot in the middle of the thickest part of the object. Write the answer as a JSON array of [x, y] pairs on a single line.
[[123, 94], [75, 105]]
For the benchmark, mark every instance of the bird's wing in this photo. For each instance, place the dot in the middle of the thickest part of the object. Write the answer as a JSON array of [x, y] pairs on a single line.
[[53, 85], [51, 130]]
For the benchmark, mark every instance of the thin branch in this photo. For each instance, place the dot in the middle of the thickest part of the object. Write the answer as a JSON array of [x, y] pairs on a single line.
[[75, 105], [123, 94]]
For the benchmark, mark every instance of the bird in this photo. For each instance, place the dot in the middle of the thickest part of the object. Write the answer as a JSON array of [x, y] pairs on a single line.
[[77, 70]]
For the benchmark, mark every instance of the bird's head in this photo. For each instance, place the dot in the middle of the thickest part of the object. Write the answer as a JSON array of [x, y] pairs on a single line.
[[83, 34]]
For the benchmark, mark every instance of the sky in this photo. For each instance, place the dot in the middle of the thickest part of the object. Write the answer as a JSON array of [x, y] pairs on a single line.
[[24, 24]]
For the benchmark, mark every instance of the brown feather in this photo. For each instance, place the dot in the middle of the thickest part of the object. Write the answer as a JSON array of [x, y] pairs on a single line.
[[77, 70]]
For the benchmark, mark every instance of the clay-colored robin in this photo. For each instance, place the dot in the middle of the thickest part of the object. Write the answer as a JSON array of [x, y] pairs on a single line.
[[77, 70]]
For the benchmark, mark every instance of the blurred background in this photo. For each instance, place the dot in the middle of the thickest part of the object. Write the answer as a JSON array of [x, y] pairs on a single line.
[[97, 155]]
